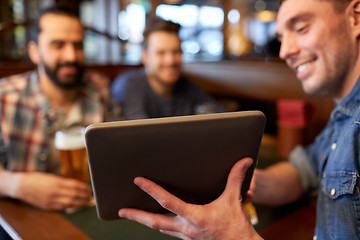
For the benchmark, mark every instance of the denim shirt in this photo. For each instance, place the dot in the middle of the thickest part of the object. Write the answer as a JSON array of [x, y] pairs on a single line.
[[334, 160]]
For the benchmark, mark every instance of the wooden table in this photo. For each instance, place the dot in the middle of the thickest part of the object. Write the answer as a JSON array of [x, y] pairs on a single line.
[[22, 221], [25, 222]]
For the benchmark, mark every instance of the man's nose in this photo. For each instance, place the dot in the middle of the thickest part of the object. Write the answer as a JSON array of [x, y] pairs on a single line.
[[289, 47], [69, 53], [172, 58]]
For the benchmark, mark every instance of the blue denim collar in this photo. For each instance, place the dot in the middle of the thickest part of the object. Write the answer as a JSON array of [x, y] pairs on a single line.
[[349, 104]]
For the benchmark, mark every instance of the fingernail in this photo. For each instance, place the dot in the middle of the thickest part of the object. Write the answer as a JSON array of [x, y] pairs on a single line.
[[248, 164], [120, 213], [138, 181]]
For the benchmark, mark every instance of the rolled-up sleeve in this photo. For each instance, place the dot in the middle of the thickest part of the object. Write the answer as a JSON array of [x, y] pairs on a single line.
[[308, 178]]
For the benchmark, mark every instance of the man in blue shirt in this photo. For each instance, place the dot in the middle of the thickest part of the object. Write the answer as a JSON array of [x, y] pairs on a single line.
[[321, 43]]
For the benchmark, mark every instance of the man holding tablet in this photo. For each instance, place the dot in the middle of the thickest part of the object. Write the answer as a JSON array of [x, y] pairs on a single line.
[[320, 41]]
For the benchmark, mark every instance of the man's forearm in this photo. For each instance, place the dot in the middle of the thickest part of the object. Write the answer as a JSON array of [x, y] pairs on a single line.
[[278, 184], [9, 182]]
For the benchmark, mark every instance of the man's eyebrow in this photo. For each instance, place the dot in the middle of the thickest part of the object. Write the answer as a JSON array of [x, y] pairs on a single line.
[[56, 41], [304, 16], [65, 41], [293, 20]]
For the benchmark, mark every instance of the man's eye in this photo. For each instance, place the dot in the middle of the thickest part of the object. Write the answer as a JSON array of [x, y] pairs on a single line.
[[57, 45], [301, 29]]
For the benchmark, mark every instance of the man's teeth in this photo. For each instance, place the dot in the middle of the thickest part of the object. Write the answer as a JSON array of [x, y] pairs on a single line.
[[302, 67]]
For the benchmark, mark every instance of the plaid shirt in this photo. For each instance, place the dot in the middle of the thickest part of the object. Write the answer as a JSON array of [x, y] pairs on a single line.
[[27, 120]]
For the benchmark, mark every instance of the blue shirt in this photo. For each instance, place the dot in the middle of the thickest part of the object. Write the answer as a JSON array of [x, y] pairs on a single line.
[[331, 165]]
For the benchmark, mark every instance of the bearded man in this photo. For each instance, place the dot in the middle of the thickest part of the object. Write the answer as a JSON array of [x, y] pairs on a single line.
[[58, 95]]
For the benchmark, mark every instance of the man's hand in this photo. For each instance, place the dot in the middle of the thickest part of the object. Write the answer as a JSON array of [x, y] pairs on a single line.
[[50, 192], [223, 219]]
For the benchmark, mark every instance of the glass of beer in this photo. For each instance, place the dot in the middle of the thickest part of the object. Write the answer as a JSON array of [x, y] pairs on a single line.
[[72, 153]]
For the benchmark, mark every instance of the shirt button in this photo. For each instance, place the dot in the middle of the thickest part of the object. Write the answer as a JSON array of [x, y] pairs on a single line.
[[333, 146], [333, 191], [314, 237]]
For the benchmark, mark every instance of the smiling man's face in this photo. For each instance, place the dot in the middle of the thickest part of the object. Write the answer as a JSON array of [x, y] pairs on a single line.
[[318, 44], [60, 49], [162, 57]]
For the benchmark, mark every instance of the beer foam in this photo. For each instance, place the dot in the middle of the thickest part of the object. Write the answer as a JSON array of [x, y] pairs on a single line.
[[70, 139]]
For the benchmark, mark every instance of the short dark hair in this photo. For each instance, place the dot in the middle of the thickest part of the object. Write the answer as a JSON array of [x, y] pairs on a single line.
[[55, 9], [157, 24], [339, 5]]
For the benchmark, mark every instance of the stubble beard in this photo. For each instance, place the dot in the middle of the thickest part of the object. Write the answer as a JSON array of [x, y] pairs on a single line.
[[71, 81]]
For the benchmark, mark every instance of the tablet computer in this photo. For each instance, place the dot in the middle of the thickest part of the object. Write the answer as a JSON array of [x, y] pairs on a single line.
[[189, 156]]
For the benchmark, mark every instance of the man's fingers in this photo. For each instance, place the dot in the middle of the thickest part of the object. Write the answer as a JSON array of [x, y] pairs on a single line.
[[175, 234], [171, 225], [163, 197], [152, 220], [236, 178], [75, 184]]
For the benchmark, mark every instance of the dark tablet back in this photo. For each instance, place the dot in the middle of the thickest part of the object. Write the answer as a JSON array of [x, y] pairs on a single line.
[[189, 156]]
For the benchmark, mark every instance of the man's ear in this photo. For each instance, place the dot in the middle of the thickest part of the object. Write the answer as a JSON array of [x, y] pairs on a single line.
[[33, 52], [354, 8]]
